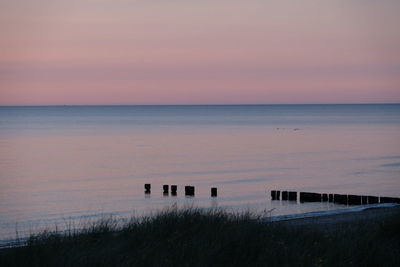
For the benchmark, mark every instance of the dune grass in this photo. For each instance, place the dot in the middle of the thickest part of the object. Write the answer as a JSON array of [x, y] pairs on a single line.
[[195, 237]]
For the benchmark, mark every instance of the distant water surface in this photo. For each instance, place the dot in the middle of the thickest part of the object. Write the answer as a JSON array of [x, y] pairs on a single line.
[[72, 163]]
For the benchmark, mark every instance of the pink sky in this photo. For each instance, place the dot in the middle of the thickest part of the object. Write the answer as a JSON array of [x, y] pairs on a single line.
[[199, 52]]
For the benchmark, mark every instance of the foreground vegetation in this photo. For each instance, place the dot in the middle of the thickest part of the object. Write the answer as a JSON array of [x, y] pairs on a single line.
[[213, 238]]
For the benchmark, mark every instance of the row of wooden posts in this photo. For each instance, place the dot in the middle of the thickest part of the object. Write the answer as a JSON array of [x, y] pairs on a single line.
[[292, 196], [189, 190], [335, 198]]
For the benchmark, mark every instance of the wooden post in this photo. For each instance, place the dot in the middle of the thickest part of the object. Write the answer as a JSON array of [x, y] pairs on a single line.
[[284, 195], [389, 200], [364, 200], [354, 200], [293, 196], [373, 200], [340, 199], [324, 197], [147, 188], [317, 197], [213, 192], [310, 197], [173, 189], [278, 195], [336, 198], [330, 197], [166, 189], [273, 194], [189, 190], [303, 197]]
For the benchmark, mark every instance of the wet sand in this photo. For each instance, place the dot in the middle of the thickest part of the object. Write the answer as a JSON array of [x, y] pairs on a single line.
[[364, 216]]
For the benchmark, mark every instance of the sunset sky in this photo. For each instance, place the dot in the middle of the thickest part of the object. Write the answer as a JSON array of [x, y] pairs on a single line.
[[56, 52]]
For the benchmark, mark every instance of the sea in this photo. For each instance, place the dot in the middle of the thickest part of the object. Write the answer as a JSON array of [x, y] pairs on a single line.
[[64, 166]]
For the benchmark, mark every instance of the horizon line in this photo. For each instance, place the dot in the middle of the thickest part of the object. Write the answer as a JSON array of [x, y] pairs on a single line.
[[127, 105]]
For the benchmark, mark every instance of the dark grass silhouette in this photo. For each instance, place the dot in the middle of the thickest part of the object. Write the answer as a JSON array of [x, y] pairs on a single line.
[[195, 237]]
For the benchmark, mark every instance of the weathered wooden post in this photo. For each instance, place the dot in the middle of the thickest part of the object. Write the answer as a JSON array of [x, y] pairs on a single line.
[[330, 197], [336, 198], [324, 197], [273, 194], [147, 188], [317, 197], [173, 190], [303, 197], [343, 199], [340, 199], [165, 189], [389, 200], [284, 195], [373, 200], [354, 200], [293, 196], [384, 200], [189, 190], [310, 197], [213, 192], [364, 200]]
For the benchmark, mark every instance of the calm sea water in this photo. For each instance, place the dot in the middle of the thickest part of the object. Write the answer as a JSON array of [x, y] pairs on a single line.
[[65, 165]]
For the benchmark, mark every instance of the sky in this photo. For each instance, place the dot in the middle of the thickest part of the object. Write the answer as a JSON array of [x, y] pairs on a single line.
[[95, 52]]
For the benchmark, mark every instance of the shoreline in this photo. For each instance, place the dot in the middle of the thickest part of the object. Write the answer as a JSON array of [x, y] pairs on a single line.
[[317, 219], [351, 217], [338, 212], [196, 237]]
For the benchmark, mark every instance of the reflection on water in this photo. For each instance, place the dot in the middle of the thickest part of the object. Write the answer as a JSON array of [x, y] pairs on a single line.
[[60, 164]]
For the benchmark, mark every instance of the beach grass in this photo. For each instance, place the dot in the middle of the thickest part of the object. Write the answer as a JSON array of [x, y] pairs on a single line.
[[196, 237]]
